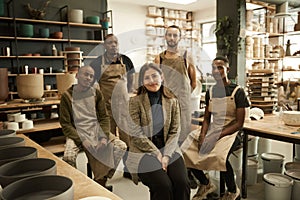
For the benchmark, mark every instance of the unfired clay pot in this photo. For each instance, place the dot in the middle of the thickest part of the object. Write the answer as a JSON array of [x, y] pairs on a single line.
[[64, 81], [3, 84], [30, 86]]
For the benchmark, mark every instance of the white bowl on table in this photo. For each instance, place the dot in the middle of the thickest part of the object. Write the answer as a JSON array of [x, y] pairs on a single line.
[[291, 118]]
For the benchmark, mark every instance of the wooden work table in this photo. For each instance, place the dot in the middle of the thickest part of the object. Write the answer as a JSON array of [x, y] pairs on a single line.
[[83, 185]]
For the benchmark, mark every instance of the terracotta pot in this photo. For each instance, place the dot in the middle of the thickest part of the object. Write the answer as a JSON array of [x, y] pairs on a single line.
[[30, 86], [64, 81], [3, 84]]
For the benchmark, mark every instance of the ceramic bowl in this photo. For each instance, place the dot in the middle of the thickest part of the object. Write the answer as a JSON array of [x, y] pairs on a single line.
[[16, 170], [93, 19], [20, 118], [27, 124], [52, 187], [7, 133], [291, 118], [57, 35], [7, 142], [16, 153], [13, 126]]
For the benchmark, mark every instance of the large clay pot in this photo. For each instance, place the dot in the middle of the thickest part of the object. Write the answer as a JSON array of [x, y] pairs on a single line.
[[64, 81], [30, 86], [3, 84]]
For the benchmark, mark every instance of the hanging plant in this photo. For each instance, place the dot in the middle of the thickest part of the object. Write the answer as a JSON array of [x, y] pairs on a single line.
[[224, 32]]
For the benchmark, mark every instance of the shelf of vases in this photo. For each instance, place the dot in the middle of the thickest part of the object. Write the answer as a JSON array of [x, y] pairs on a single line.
[[262, 89]]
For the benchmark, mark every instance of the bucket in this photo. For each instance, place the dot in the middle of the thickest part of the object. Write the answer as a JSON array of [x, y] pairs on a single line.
[[277, 186], [272, 162], [252, 166], [264, 145], [291, 165], [252, 146], [295, 175]]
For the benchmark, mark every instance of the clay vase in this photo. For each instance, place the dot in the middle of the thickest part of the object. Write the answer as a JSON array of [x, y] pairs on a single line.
[[64, 81], [30, 86], [3, 84]]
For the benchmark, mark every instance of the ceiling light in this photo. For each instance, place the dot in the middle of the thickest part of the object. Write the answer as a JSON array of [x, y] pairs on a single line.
[[184, 2]]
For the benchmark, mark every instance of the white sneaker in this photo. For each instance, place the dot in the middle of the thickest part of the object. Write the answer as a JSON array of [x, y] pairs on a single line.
[[204, 190], [232, 196]]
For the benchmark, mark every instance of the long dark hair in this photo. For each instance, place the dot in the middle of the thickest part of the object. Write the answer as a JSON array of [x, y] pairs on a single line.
[[141, 88]]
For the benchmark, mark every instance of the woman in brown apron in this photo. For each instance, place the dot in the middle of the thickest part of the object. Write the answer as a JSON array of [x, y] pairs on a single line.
[[210, 148]]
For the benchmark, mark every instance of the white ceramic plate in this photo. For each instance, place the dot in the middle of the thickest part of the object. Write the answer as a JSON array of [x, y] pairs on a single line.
[[95, 198]]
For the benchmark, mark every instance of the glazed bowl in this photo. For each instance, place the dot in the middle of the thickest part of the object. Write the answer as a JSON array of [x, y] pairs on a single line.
[[7, 133], [19, 169], [11, 142], [291, 118], [52, 187], [16, 153], [57, 35], [93, 19]]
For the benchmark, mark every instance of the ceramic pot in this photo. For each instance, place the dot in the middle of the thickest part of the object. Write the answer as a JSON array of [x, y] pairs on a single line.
[[3, 84], [64, 81], [30, 86], [53, 187], [1, 8], [16, 170], [7, 142], [76, 15], [16, 153]]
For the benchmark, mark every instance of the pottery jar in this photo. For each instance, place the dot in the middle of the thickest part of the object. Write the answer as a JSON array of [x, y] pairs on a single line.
[[3, 84], [30, 86]]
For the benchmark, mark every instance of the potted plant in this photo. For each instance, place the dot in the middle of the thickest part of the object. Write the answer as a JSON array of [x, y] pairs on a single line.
[[224, 33]]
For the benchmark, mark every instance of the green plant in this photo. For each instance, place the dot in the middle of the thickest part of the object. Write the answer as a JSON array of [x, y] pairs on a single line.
[[224, 33]]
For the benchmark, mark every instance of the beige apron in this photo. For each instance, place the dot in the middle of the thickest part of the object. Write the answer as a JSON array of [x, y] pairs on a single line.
[[177, 80], [88, 128], [113, 84], [224, 113]]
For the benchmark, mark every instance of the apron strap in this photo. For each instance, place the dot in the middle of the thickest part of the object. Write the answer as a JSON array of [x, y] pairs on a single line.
[[235, 90]]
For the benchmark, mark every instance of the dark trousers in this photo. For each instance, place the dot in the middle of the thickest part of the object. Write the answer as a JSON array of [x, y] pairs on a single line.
[[170, 185], [227, 176]]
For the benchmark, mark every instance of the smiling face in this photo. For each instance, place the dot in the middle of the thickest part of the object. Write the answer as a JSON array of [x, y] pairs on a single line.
[[172, 37], [85, 77], [219, 70], [152, 80]]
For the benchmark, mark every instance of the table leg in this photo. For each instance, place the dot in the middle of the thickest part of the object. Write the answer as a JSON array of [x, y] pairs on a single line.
[[244, 165]]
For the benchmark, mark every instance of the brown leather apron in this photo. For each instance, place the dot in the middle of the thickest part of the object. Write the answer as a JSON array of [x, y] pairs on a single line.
[[224, 114], [113, 84]]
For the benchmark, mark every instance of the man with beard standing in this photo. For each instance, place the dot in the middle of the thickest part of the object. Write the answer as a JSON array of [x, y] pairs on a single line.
[[180, 75]]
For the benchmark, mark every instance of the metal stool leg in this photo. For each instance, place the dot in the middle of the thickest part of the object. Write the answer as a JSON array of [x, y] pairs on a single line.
[[89, 170]]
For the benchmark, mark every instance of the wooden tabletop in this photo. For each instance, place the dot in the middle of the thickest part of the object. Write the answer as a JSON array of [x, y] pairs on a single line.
[[83, 185], [269, 126], [272, 127]]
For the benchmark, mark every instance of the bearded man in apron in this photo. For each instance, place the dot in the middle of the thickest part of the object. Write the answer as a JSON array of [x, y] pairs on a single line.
[[180, 78], [85, 122], [114, 73], [209, 149]]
